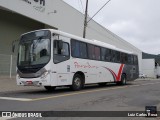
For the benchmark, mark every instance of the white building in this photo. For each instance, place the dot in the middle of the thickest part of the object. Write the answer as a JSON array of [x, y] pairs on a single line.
[[19, 16], [148, 68]]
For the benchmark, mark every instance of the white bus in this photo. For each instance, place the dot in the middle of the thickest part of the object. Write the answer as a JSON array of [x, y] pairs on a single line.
[[52, 58]]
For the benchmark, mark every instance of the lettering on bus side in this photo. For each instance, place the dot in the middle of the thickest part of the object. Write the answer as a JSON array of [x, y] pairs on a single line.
[[77, 65]]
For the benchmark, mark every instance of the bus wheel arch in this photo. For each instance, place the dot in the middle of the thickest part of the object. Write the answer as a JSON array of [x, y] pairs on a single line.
[[123, 79], [78, 81]]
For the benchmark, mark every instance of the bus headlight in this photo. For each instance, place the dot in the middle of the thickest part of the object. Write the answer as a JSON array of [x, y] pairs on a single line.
[[44, 75], [18, 76]]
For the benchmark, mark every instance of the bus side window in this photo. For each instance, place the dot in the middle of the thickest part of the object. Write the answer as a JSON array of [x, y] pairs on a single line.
[[75, 48], [78, 49], [129, 59], [122, 58], [65, 49], [103, 54], [91, 53], [135, 60], [113, 58], [117, 56], [62, 54], [126, 58], [132, 59], [56, 48], [97, 53], [108, 55], [83, 50]]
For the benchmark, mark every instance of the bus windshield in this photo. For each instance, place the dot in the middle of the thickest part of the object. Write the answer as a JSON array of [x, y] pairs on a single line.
[[34, 49]]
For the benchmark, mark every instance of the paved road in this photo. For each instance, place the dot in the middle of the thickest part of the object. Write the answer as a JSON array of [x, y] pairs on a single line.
[[132, 97], [9, 84]]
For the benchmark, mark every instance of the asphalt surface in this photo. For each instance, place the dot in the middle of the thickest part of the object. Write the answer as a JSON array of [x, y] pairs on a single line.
[[9, 84], [134, 96]]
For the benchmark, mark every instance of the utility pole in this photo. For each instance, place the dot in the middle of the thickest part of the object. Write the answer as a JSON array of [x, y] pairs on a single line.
[[85, 20]]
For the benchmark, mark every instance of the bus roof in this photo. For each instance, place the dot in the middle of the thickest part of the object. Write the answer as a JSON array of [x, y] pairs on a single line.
[[95, 42]]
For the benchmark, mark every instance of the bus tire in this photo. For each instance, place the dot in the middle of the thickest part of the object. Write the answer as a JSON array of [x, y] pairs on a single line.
[[157, 76], [77, 83], [123, 80], [50, 88]]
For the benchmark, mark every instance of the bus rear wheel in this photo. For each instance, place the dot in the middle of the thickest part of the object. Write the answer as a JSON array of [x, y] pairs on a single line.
[[49, 88], [77, 83], [123, 80]]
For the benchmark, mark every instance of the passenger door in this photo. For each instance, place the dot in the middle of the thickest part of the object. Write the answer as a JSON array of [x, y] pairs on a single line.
[[61, 56]]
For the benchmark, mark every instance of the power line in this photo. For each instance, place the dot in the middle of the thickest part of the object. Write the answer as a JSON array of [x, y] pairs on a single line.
[[99, 10], [86, 12]]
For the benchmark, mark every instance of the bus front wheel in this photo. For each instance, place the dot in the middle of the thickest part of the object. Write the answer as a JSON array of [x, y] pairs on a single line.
[[77, 83]]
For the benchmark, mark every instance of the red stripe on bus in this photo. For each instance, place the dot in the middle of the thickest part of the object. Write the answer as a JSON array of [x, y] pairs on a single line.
[[117, 77], [120, 72]]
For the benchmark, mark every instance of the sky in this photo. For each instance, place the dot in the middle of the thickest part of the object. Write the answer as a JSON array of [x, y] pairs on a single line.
[[136, 21]]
